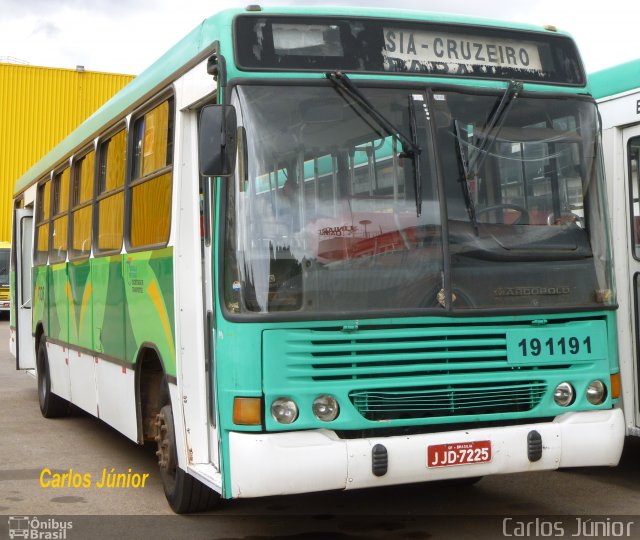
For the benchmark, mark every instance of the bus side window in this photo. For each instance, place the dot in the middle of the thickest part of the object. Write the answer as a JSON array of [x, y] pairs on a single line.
[[152, 169], [110, 193], [81, 197], [634, 157], [43, 211], [60, 218]]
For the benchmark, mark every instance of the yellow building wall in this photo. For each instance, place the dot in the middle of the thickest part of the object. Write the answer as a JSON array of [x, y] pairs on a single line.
[[38, 107]]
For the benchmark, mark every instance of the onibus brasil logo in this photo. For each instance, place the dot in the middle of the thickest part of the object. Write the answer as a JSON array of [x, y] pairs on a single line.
[[38, 528]]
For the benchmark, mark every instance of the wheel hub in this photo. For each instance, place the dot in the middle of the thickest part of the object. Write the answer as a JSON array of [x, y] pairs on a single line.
[[164, 453]]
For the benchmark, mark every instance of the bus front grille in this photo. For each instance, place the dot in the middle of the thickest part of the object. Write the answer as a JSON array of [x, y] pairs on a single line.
[[433, 402], [402, 353]]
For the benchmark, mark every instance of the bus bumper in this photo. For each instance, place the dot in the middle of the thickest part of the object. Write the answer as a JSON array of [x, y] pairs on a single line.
[[304, 461]]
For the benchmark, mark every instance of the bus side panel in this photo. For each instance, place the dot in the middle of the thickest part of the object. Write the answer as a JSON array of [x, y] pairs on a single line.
[[117, 397], [150, 304], [81, 362], [108, 307], [114, 376], [12, 315], [40, 303], [81, 316], [12, 299], [57, 328], [59, 299]]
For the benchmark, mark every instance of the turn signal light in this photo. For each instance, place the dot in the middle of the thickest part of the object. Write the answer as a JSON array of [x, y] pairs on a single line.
[[247, 411], [615, 385]]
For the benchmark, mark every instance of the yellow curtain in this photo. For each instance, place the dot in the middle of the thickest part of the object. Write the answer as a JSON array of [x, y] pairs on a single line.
[[110, 222], [85, 178], [81, 244], [154, 142], [116, 149], [151, 211], [44, 204], [62, 192]]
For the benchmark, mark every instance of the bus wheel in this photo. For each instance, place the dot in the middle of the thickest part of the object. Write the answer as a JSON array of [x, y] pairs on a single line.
[[51, 406], [184, 493]]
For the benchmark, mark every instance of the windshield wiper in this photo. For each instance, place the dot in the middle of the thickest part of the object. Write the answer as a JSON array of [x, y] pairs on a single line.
[[409, 146], [417, 166], [341, 81], [493, 125], [469, 170], [463, 168]]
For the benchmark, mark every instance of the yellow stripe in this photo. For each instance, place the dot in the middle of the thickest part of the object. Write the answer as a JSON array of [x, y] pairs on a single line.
[[72, 306], [83, 307], [158, 302]]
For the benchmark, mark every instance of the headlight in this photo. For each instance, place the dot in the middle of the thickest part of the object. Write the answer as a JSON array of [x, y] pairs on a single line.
[[326, 408], [596, 392], [564, 394], [284, 410]]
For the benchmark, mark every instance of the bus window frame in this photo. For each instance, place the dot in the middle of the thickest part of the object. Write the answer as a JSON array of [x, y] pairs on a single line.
[[38, 223], [73, 207], [634, 236], [120, 126], [130, 182], [56, 176]]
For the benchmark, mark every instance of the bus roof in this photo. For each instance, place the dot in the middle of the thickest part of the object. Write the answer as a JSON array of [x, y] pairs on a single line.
[[196, 46], [615, 80]]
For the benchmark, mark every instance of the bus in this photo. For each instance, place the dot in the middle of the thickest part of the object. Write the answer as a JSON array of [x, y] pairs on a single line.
[[617, 91], [5, 250], [331, 248]]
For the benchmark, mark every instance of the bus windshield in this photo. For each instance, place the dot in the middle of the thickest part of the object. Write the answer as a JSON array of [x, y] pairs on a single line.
[[4, 267], [322, 213]]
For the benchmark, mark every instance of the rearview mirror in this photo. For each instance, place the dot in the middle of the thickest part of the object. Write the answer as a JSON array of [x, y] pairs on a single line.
[[217, 140]]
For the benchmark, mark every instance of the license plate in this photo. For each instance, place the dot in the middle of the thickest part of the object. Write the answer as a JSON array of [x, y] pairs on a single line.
[[463, 453]]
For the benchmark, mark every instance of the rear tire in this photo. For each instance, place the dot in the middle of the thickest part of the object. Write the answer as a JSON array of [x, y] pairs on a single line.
[[51, 405], [184, 493]]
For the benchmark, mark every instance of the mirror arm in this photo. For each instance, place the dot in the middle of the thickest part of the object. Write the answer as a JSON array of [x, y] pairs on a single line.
[[217, 66]]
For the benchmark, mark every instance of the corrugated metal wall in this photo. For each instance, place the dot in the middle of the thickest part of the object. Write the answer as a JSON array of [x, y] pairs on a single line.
[[38, 108]]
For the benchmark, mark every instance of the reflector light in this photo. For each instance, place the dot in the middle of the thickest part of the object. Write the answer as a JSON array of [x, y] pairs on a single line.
[[247, 411]]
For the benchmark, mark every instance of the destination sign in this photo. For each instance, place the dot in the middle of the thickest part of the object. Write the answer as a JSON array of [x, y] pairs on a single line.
[[416, 50], [278, 43]]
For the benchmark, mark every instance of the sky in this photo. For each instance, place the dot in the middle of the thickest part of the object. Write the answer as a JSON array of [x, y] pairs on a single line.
[[126, 36]]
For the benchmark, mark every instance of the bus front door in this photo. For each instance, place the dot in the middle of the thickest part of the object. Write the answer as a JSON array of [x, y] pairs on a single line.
[[25, 353], [630, 303]]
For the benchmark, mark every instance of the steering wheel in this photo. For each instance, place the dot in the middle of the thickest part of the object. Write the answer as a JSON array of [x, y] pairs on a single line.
[[522, 219]]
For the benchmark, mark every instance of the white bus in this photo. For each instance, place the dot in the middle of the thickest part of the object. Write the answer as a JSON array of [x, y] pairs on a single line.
[[617, 91]]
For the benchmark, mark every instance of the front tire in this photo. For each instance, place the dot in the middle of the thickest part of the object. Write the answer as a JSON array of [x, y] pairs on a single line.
[[184, 493], [51, 405]]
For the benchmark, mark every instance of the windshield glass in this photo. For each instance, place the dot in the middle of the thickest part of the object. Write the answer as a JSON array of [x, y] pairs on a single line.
[[525, 201], [322, 214], [4, 267]]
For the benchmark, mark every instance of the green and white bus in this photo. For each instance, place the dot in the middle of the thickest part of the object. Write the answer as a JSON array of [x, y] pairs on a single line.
[[5, 252], [331, 248], [617, 91]]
